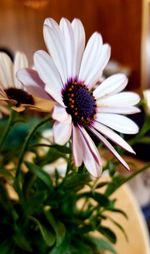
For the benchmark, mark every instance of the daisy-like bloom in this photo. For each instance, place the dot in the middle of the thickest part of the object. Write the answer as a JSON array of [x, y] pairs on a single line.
[[11, 89], [71, 72]]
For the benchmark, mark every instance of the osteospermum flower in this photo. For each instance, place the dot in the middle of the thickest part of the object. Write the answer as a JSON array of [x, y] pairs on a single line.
[[71, 73], [11, 89]]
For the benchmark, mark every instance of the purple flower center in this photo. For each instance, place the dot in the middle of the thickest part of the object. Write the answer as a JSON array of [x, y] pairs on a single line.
[[80, 102], [20, 96]]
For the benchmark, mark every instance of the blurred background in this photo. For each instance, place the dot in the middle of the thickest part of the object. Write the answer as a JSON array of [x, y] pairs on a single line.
[[120, 23], [124, 24]]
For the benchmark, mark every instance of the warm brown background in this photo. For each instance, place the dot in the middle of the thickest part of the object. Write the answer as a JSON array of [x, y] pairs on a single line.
[[119, 21]]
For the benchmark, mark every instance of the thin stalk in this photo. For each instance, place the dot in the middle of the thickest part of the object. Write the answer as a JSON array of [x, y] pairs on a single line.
[[136, 173], [127, 179], [26, 143], [7, 129]]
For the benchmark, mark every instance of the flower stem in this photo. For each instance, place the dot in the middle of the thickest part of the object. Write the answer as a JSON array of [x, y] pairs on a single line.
[[7, 129], [27, 140], [127, 179]]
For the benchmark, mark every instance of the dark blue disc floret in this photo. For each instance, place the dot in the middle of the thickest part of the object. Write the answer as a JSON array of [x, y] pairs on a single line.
[[80, 102]]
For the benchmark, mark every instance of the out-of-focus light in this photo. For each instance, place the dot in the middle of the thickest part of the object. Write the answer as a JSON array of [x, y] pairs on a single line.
[[36, 4]]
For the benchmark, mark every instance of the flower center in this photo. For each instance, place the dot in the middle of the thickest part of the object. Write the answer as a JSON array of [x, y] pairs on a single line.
[[79, 102], [20, 96]]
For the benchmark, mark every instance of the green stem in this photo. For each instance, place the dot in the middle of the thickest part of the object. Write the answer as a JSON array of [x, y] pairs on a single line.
[[127, 179], [7, 129], [136, 173], [26, 143]]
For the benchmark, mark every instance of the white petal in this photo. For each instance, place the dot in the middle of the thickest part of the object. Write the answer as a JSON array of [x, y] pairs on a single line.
[[112, 85], [92, 50], [97, 67], [49, 74], [79, 40], [32, 83], [77, 146], [52, 24], [91, 156], [110, 147], [118, 122], [91, 164], [118, 110], [54, 41], [59, 114], [20, 62], [62, 132], [113, 136], [6, 71], [69, 45], [120, 99]]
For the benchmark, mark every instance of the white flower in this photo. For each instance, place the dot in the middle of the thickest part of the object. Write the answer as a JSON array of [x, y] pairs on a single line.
[[70, 72], [11, 89]]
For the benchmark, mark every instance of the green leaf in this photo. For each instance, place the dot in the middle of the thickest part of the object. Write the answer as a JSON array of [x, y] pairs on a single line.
[[108, 233], [43, 176], [52, 155], [115, 210], [115, 183], [102, 244], [58, 227], [83, 247], [48, 237], [144, 140], [21, 240], [120, 227], [34, 203], [4, 199], [100, 198], [28, 181], [102, 184], [62, 149], [6, 247], [75, 182], [63, 248]]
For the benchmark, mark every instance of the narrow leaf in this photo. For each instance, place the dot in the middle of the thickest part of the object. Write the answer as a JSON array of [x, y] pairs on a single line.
[[58, 227], [41, 174], [115, 210], [6, 247], [22, 241], [102, 245], [48, 237], [100, 198], [108, 233], [120, 227]]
